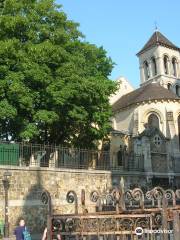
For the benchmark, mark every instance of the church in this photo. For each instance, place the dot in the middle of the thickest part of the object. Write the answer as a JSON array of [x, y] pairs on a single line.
[[146, 121]]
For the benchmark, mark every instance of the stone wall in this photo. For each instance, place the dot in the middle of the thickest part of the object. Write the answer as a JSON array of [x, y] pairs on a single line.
[[26, 185]]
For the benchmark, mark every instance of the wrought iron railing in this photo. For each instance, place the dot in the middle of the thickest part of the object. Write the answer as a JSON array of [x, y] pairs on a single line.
[[26, 154], [134, 211]]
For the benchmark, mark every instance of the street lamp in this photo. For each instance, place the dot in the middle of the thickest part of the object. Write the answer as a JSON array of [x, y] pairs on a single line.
[[6, 185]]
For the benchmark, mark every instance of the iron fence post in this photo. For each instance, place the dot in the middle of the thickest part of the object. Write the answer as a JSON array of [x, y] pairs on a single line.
[[164, 217], [176, 225]]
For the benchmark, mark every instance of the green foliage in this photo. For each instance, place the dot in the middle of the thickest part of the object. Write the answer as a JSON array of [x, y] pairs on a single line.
[[54, 86]]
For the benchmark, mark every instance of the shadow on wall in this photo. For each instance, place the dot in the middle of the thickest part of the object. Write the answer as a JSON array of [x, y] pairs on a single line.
[[33, 211]]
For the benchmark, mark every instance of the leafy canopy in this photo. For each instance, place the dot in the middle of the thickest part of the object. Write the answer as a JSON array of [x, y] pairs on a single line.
[[54, 86]]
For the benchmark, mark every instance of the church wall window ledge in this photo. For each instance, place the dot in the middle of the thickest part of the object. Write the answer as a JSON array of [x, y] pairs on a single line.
[[173, 76], [169, 76], [149, 80]]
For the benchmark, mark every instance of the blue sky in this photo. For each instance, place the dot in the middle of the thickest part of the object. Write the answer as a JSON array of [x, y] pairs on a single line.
[[123, 27]]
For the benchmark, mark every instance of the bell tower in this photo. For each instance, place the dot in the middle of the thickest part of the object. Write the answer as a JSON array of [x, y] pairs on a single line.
[[159, 61]]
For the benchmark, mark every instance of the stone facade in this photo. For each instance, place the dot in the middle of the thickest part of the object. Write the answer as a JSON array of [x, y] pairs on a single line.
[[27, 184], [124, 88], [155, 104], [159, 52], [129, 141], [132, 120]]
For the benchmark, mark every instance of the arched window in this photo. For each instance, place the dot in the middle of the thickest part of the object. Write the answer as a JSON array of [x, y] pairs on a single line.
[[169, 86], [179, 129], [174, 67], [166, 62], [146, 70], [178, 90], [153, 121], [154, 66]]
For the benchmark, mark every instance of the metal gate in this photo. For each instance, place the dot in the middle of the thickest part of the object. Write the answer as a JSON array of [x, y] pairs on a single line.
[[126, 215]]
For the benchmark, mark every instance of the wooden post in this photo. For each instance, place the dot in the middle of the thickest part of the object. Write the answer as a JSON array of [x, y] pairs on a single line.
[[176, 225]]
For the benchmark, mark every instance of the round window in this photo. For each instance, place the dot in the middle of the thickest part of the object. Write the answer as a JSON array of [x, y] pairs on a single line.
[[157, 140]]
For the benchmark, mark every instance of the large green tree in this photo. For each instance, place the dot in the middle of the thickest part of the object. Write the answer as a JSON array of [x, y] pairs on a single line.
[[54, 86]]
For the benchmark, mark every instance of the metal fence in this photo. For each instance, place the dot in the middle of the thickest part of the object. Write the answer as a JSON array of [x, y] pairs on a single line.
[[136, 215], [26, 154]]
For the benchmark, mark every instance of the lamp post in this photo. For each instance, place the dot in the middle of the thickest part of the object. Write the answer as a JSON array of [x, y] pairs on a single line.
[[6, 185]]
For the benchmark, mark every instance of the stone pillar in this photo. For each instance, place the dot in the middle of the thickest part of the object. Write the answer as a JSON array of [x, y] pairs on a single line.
[[160, 66], [169, 67], [114, 125], [147, 154], [150, 69], [136, 123], [53, 160], [34, 162], [178, 70], [170, 163], [172, 130], [141, 68]]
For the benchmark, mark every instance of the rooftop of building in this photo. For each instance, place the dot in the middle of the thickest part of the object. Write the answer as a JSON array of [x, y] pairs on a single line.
[[158, 39], [152, 91]]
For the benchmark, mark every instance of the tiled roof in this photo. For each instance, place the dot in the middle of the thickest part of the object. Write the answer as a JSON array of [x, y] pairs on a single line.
[[152, 91], [158, 39]]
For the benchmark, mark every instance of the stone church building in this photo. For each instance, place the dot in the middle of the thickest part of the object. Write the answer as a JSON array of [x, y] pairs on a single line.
[[146, 122]]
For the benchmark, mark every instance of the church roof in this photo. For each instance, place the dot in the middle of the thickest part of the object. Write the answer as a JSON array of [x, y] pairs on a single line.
[[158, 39], [151, 91]]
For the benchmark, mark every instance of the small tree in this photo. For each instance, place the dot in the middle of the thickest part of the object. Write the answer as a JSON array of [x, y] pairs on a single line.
[[54, 86]]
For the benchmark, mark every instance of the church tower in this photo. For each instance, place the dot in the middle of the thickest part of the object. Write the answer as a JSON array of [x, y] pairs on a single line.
[[159, 62]]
